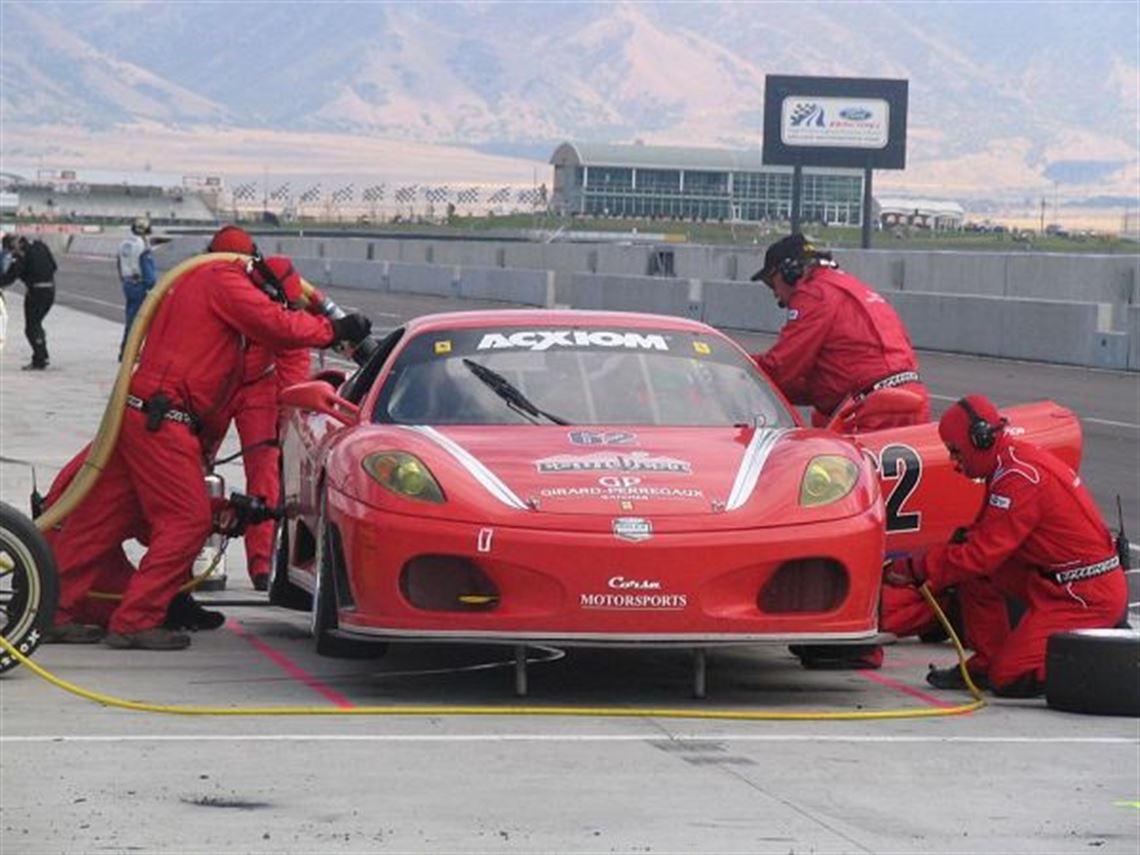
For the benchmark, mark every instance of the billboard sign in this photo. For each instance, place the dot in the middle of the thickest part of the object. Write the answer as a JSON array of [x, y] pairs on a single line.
[[835, 121]]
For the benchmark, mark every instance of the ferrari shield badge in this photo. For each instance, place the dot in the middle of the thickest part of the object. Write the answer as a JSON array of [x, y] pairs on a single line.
[[633, 529]]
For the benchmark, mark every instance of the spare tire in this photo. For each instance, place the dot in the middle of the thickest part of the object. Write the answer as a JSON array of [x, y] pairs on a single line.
[[1094, 671], [29, 586]]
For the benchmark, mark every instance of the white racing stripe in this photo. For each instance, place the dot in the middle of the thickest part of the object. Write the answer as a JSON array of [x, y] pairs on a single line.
[[654, 738], [473, 465], [755, 456]]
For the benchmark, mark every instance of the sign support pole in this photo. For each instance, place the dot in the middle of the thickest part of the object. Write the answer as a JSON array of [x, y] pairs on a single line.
[[797, 194], [868, 208]]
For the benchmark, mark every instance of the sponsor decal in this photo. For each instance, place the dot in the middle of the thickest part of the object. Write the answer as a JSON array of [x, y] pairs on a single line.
[[702, 348], [1014, 430], [845, 122], [443, 347], [633, 529], [625, 495], [1002, 502], [624, 584], [483, 542], [793, 314], [546, 339], [635, 461], [602, 437], [634, 602]]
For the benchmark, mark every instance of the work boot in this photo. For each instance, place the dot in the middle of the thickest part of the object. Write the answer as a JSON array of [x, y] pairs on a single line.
[[155, 638], [184, 612], [73, 633], [260, 581], [34, 366], [951, 679]]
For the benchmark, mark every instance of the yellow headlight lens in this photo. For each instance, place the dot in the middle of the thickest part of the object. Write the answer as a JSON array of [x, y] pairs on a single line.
[[403, 474], [828, 478]]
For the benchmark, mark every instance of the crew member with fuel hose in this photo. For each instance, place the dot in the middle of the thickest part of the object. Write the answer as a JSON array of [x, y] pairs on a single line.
[[255, 412], [1038, 538], [177, 409], [841, 338]]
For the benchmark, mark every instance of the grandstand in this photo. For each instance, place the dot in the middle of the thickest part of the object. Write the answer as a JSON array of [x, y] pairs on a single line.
[[672, 182], [68, 200]]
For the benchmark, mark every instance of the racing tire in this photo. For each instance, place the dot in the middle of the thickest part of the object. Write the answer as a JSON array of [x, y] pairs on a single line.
[[324, 622], [29, 585], [281, 591], [1095, 671]]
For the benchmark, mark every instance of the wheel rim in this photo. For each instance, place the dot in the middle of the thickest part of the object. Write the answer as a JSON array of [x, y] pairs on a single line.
[[20, 588]]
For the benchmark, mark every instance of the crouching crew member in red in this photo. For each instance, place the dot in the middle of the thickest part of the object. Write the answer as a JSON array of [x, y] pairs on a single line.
[[177, 411], [841, 339], [1039, 538]]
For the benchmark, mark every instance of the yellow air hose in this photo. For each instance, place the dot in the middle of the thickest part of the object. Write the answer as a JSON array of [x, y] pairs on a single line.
[[593, 712]]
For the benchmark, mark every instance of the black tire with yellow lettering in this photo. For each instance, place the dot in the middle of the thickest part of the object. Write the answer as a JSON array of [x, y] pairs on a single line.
[[29, 585]]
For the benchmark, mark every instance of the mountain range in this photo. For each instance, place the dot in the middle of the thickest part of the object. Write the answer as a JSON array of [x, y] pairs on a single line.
[[1006, 99]]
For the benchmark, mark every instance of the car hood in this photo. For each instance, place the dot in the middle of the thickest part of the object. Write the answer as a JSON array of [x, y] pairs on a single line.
[[657, 472]]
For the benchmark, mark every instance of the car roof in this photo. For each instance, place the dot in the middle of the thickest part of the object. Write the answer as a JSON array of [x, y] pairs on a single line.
[[554, 317]]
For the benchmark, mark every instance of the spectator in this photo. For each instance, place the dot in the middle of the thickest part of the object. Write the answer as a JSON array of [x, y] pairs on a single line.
[[136, 272], [33, 263]]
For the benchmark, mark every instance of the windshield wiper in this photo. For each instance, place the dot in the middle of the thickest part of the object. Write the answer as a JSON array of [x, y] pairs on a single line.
[[503, 387]]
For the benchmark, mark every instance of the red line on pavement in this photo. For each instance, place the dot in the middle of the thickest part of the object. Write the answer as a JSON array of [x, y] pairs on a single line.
[[930, 700], [289, 666]]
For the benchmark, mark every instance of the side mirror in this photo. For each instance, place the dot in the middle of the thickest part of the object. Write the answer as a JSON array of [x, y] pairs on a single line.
[[317, 396], [883, 402]]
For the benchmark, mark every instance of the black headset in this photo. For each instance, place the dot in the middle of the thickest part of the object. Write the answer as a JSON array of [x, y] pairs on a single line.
[[791, 269], [982, 434]]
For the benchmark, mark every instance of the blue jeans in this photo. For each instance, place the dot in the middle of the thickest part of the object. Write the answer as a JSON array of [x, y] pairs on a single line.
[[134, 292]]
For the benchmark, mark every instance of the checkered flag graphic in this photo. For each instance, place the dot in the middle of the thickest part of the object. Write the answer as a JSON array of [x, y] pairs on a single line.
[[468, 196], [528, 197], [374, 193], [245, 192], [500, 196], [280, 194], [436, 194], [312, 194], [343, 194], [407, 194]]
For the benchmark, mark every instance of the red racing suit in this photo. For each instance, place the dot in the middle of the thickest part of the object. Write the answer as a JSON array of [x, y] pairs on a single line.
[[256, 417], [194, 355], [1038, 520], [841, 338]]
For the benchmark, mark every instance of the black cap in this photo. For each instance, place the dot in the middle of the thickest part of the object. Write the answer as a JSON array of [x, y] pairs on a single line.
[[791, 246]]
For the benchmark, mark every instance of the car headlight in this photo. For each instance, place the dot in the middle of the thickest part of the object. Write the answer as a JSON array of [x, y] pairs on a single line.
[[828, 478], [404, 474]]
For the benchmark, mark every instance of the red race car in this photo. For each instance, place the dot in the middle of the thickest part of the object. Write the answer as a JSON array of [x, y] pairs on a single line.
[[596, 478]]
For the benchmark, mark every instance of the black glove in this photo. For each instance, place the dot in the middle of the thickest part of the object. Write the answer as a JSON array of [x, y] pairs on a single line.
[[351, 328]]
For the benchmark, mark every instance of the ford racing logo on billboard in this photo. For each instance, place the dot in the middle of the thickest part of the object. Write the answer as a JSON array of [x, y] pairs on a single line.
[[835, 122]]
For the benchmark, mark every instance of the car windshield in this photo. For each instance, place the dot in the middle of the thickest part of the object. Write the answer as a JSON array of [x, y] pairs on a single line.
[[582, 375]]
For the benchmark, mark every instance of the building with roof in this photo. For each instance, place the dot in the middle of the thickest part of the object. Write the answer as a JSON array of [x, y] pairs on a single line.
[[673, 182], [934, 214]]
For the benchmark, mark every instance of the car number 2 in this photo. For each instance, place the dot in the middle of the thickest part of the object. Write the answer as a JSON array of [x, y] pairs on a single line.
[[902, 465]]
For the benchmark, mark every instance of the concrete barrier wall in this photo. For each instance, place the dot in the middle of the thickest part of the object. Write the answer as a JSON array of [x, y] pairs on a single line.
[[105, 245], [741, 305], [1038, 330], [636, 294], [433, 279], [1134, 338], [530, 287]]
